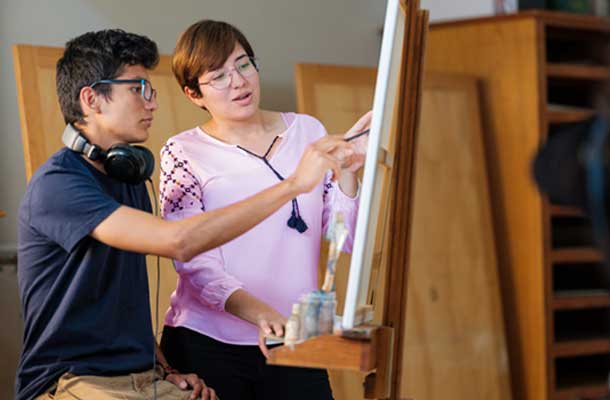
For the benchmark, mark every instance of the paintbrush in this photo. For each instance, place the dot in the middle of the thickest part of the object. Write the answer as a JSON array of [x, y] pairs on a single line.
[[336, 234]]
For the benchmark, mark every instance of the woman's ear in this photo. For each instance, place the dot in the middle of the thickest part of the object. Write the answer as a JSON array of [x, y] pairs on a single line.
[[194, 97]]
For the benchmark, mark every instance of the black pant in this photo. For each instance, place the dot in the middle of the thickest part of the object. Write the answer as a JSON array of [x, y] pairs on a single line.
[[239, 372]]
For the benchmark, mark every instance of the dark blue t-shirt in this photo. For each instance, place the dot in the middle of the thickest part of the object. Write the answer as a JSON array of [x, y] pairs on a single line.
[[85, 304]]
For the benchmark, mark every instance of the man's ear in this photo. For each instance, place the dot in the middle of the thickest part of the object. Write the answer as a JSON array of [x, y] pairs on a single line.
[[90, 101]]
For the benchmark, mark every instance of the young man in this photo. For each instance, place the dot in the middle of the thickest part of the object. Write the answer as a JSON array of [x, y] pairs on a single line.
[[84, 231]]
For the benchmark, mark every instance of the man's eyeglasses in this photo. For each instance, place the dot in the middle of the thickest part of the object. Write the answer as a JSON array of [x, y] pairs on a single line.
[[246, 66], [145, 87]]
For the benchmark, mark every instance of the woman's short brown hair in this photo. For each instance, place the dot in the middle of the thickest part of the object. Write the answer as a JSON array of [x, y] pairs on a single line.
[[205, 46]]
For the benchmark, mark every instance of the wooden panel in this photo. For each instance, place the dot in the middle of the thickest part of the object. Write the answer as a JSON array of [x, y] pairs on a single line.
[[336, 95], [504, 54], [42, 125], [454, 328]]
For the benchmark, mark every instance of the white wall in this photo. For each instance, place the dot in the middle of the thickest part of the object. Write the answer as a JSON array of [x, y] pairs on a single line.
[[282, 33], [454, 9]]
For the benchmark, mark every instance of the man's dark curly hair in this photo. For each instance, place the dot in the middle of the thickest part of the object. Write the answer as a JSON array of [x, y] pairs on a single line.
[[94, 56]]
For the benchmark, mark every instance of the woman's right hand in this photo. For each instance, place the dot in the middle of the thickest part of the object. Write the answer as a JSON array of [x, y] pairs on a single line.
[[269, 323]]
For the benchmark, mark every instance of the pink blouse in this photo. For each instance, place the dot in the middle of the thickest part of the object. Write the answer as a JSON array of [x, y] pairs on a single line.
[[271, 261]]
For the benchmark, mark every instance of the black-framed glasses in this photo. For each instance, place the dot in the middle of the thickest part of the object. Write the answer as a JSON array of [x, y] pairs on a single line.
[[146, 90], [245, 66]]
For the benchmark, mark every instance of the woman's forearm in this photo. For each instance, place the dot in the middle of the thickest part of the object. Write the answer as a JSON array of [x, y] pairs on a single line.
[[249, 308]]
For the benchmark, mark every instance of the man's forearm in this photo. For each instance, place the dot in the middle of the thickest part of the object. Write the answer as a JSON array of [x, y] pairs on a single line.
[[214, 228]]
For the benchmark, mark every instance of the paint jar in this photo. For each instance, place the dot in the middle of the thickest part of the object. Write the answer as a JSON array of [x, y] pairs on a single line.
[[328, 306], [291, 335], [309, 311]]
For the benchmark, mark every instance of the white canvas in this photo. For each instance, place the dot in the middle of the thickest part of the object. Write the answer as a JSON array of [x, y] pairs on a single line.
[[370, 195]]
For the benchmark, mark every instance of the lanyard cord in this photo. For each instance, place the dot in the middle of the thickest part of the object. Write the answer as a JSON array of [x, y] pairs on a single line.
[[295, 221]]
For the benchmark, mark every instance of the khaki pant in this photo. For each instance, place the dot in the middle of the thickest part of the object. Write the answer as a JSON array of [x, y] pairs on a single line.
[[126, 387]]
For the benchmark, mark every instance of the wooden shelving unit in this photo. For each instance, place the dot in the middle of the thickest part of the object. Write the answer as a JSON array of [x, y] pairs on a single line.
[[539, 70]]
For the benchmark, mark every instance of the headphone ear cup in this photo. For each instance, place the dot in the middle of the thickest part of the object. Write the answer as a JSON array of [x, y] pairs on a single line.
[[121, 164], [129, 164], [148, 161]]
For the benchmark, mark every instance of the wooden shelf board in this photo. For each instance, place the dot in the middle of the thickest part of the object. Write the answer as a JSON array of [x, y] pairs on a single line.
[[571, 348], [582, 386], [591, 391], [566, 115], [576, 255], [576, 300], [577, 71], [333, 352], [566, 211]]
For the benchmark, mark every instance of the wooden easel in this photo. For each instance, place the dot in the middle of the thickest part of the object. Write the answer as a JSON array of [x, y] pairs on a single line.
[[377, 353]]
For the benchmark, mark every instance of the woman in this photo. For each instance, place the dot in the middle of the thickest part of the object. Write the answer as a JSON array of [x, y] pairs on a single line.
[[229, 298]]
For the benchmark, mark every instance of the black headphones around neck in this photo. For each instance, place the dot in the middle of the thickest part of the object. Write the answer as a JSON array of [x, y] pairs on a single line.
[[123, 162]]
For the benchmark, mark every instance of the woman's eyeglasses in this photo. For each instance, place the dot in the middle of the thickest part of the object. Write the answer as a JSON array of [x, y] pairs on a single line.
[[246, 66]]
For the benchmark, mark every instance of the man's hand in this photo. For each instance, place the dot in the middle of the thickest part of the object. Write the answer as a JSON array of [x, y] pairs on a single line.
[[192, 381]]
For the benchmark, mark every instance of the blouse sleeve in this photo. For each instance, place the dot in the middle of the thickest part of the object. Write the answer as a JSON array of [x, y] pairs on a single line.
[[181, 196], [336, 201]]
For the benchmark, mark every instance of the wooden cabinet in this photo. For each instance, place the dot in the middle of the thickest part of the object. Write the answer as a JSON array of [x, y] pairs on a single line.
[[538, 70]]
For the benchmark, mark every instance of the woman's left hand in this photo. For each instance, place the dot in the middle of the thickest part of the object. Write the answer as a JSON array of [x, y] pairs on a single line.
[[269, 324], [353, 162]]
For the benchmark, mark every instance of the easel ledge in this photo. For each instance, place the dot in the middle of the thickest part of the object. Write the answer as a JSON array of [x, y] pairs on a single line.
[[370, 353]]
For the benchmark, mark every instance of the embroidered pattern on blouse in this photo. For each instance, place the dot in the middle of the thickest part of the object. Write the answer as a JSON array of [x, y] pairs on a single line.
[[179, 188]]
